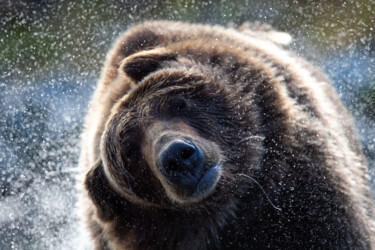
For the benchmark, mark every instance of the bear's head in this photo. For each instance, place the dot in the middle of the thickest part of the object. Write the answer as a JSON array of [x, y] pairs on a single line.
[[180, 138]]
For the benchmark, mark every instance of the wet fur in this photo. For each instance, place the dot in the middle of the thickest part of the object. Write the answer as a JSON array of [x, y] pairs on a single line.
[[311, 189]]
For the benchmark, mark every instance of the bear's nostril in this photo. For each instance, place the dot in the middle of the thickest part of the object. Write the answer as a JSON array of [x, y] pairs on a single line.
[[181, 157], [186, 153]]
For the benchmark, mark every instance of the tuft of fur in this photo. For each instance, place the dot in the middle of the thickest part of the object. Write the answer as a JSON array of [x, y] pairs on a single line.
[[293, 174]]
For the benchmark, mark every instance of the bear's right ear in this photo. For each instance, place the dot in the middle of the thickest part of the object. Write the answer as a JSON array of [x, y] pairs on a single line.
[[139, 65], [106, 200]]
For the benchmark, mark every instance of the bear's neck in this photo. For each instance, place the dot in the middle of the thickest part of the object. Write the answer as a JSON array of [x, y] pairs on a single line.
[[157, 228]]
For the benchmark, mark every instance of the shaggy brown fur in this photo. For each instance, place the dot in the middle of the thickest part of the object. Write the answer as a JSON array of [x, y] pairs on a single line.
[[289, 171]]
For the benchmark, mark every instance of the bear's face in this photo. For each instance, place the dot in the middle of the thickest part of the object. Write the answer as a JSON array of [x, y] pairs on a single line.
[[177, 137]]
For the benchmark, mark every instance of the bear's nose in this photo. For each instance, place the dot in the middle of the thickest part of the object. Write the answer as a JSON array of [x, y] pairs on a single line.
[[182, 159]]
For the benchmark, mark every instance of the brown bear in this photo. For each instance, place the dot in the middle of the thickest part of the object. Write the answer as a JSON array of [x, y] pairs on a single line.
[[204, 137]]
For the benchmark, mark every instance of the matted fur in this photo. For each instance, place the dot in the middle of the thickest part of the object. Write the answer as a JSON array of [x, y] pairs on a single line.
[[293, 174]]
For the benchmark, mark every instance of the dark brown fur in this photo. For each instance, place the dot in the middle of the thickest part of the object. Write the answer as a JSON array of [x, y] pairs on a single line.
[[293, 174]]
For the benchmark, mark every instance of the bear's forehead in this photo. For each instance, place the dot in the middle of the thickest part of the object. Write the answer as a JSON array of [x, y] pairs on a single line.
[[160, 87]]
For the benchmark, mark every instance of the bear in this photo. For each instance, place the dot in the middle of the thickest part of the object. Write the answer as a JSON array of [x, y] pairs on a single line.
[[210, 137]]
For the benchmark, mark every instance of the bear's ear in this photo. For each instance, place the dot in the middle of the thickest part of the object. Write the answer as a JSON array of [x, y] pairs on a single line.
[[139, 65], [106, 200], [266, 32]]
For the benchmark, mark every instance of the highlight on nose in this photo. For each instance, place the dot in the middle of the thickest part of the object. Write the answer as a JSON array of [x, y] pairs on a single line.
[[181, 158], [184, 166]]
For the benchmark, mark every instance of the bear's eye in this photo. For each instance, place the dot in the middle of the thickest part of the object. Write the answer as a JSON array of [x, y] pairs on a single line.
[[130, 153], [178, 106]]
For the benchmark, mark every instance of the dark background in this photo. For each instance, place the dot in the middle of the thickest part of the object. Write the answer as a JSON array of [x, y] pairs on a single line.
[[51, 53]]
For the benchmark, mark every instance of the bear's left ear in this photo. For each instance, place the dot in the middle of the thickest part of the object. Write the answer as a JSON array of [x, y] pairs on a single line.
[[139, 65], [106, 200]]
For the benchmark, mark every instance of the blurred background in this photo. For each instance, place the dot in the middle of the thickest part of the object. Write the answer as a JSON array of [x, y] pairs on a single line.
[[51, 53]]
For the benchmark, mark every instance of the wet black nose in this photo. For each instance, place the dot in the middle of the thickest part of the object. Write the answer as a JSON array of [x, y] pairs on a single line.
[[182, 159]]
